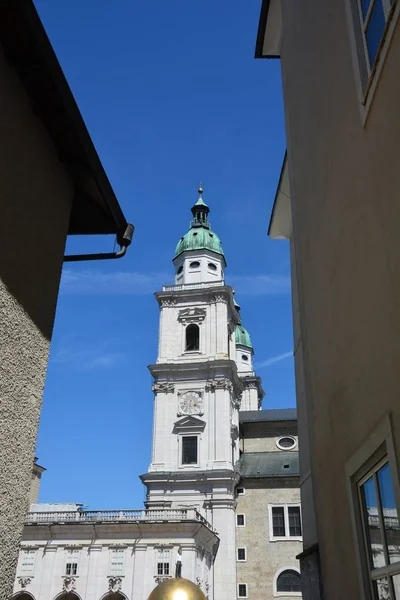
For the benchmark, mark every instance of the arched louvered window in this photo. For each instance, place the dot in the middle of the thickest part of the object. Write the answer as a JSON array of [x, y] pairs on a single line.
[[192, 337], [288, 581]]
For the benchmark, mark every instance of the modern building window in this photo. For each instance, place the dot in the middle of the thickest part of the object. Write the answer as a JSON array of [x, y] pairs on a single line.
[[285, 522], [370, 25], [192, 337], [189, 449], [286, 442], [240, 491], [242, 590], [288, 582], [164, 561], [117, 558], [71, 564], [241, 554], [240, 520], [381, 530], [27, 565]]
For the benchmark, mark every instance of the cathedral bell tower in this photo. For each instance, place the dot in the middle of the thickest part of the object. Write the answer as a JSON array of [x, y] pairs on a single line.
[[197, 394]]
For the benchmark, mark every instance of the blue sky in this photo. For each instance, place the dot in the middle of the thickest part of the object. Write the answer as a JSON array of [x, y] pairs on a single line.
[[171, 94]]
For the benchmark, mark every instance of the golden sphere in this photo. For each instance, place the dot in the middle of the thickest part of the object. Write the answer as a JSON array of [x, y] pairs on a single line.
[[177, 589]]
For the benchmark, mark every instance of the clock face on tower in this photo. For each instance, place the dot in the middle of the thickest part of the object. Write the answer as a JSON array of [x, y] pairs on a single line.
[[190, 403]]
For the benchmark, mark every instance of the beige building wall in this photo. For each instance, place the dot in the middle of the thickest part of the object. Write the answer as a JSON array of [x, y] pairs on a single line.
[[261, 437], [345, 179], [35, 202], [264, 557]]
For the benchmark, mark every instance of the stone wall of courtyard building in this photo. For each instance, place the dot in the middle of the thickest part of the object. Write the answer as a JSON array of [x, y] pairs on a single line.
[[35, 200], [264, 558], [110, 557], [262, 437]]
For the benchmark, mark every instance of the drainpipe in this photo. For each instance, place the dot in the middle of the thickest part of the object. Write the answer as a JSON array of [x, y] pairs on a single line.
[[124, 241]]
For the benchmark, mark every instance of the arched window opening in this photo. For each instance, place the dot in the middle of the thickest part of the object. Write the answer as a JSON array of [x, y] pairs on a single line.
[[192, 337], [23, 596], [67, 596], [288, 581]]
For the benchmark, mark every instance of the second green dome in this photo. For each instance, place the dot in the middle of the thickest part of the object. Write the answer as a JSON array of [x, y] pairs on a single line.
[[242, 337]]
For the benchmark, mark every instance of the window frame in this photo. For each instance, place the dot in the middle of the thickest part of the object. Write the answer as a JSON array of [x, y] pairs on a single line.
[[275, 582], [29, 551], [287, 537], [112, 550], [367, 76], [247, 590], [241, 560], [163, 562], [72, 561], [282, 437], [244, 519], [242, 492], [181, 437], [376, 450]]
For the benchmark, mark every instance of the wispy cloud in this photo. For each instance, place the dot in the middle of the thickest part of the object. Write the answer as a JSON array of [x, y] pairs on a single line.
[[97, 282], [92, 281], [87, 357], [273, 359], [260, 285]]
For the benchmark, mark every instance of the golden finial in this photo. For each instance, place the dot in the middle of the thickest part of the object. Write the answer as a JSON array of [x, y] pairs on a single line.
[[200, 190], [177, 589]]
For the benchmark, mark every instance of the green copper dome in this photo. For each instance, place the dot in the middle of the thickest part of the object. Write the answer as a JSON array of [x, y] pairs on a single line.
[[242, 336], [200, 236]]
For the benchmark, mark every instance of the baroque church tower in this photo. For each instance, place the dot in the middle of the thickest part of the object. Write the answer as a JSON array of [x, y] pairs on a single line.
[[202, 378]]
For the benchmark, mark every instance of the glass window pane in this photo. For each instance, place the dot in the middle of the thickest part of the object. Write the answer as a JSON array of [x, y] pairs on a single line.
[[381, 589], [396, 586], [365, 4], [278, 521], [294, 521], [375, 29], [189, 450], [372, 524], [390, 516]]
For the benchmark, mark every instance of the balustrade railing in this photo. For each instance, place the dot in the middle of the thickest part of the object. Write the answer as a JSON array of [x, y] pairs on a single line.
[[101, 516], [192, 286]]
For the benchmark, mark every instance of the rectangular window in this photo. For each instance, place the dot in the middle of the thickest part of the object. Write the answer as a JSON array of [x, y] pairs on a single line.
[[242, 590], [240, 491], [240, 520], [285, 522], [189, 450], [241, 554], [164, 562], [27, 566], [370, 21], [71, 564], [381, 530], [117, 558]]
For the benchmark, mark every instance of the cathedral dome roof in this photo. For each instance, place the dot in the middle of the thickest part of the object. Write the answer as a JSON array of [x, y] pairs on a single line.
[[200, 236], [242, 336]]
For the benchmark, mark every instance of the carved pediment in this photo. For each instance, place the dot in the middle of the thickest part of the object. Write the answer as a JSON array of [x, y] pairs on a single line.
[[192, 315], [189, 423]]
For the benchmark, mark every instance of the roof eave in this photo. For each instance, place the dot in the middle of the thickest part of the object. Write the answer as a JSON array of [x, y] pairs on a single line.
[[280, 224], [268, 43], [95, 208]]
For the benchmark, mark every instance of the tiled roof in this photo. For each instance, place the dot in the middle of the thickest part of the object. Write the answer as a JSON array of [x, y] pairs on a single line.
[[268, 464], [274, 414]]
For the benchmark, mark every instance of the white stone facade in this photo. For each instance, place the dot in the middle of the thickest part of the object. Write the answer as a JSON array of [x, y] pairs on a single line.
[[202, 379]]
